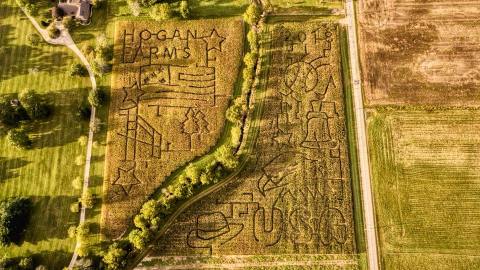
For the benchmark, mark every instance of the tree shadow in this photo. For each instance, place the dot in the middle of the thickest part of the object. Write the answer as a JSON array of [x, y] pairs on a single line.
[[213, 11], [8, 167], [95, 181], [116, 8], [58, 130], [95, 159], [50, 218], [38, 59], [52, 259], [94, 228], [83, 36], [5, 34], [8, 10]]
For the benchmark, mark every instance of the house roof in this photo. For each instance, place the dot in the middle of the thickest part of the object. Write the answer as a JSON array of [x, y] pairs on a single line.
[[80, 9]]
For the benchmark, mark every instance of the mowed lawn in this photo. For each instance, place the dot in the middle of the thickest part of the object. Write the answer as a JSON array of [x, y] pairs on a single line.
[[426, 177], [45, 172]]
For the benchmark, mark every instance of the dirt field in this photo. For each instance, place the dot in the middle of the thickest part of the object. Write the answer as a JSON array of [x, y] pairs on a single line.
[[170, 89], [294, 197], [426, 179], [423, 51]]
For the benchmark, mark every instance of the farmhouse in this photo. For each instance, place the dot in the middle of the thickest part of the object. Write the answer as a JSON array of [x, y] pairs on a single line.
[[81, 10]]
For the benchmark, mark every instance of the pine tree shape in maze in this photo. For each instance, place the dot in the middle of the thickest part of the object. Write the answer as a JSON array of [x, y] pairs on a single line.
[[170, 92]]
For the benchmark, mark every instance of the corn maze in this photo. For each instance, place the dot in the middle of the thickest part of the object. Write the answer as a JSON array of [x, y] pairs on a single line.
[[171, 86], [294, 196]]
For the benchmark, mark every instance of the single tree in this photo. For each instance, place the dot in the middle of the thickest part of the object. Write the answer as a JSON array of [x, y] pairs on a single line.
[[77, 183], [148, 3], [26, 263], [161, 12], [252, 41], [15, 213], [252, 14], [250, 59], [224, 155], [82, 231], [184, 9], [36, 106], [19, 138], [72, 232], [75, 207], [236, 112], [193, 173], [236, 134], [31, 9], [97, 97], [135, 8], [68, 22], [139, 238], [115, 258], [80, 160], [53, 31], [82, 140], [77, 70], [88, 200], [11, 113], [33, 39]]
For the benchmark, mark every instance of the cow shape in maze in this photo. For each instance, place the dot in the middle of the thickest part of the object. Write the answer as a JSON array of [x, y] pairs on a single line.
[[295, 197], [172, 83]]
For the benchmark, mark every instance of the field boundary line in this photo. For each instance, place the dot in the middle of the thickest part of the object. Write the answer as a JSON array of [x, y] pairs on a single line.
[[367, 194], [241, 265], [66, 40]]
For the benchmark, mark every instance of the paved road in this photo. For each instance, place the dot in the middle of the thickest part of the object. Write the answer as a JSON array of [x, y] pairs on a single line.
[[66, 40], [368, 207]]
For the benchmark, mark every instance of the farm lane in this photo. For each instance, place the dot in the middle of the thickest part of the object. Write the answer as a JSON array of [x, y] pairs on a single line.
[[368, 207], [275, 264], [66, 40]]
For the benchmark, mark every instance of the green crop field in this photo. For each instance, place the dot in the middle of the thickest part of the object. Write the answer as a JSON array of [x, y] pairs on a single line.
[[45, 172], [426, 181]]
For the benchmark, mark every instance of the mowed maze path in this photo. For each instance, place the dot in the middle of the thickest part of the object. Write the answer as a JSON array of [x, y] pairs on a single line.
[[427, 183], [45, 172]]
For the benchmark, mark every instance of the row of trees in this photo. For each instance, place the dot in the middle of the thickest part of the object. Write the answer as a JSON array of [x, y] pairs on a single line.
[[160, 11], [195, 175]]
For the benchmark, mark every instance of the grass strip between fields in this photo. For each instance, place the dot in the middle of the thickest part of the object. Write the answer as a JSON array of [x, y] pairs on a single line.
[[352, 144]]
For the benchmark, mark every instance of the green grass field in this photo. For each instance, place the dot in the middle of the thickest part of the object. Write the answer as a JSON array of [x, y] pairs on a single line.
[[426, 181], [45, 172]]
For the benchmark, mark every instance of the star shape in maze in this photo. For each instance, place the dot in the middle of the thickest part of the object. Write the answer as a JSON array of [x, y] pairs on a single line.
[[132, 93], [214, 41], [126, 179]]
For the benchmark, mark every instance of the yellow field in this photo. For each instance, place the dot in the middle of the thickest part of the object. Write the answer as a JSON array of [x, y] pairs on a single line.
[[294, 196], [171, 86]]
